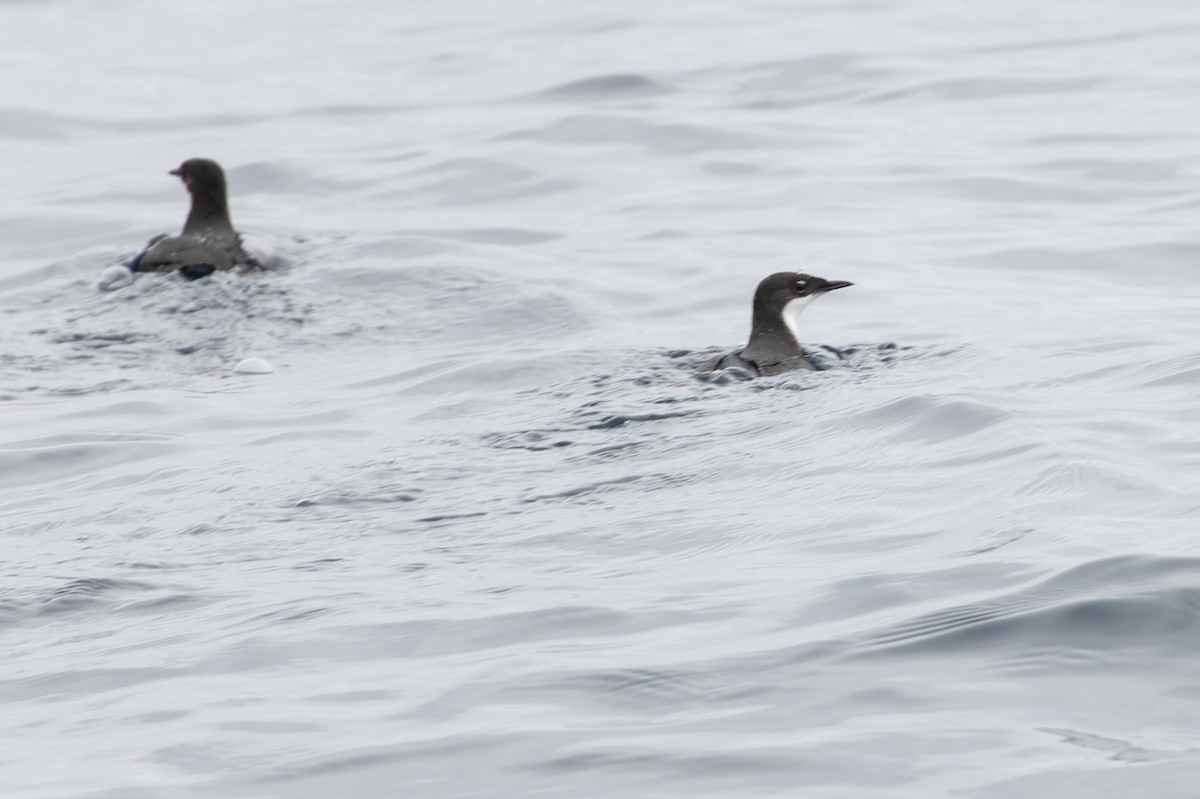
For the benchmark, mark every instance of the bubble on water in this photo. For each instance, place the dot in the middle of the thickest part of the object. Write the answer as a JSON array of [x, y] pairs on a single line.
[[253, 366]]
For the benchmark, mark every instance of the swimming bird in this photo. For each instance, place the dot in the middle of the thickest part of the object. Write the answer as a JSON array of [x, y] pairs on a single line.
[[208, 243], [773, 348]]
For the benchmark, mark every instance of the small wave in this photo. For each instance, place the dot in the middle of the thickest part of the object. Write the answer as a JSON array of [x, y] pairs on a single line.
[[661, 690], [24, 123], [1182, 372], [1103, 607], [673, 139], [589, 490], [473, 181], [618, 86], [923, 418], [386, 498], [58, 458], [983, 89], [88, 592], [287, 178], [826, 78]]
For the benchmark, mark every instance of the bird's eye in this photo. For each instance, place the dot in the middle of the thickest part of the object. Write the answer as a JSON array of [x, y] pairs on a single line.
[[801, 285]]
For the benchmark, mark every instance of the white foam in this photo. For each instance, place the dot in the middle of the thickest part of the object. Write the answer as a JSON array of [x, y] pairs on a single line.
[[115, 277], [261, 250]]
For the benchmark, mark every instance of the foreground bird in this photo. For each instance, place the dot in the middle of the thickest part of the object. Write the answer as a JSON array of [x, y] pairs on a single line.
[[208, 243], [773, 348]]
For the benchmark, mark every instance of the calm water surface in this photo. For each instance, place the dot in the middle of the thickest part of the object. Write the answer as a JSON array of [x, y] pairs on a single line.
[[483, 532]]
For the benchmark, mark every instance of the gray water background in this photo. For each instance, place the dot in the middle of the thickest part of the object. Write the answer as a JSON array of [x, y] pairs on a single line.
[[483, 532]]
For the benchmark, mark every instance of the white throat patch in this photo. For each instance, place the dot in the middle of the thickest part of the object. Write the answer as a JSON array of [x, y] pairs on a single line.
[[792, 311]]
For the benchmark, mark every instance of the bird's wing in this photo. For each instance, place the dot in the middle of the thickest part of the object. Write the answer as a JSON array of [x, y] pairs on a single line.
[[175, 252]]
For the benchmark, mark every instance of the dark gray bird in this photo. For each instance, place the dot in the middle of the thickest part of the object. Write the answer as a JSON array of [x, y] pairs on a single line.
[[208, 243], [773, 348]]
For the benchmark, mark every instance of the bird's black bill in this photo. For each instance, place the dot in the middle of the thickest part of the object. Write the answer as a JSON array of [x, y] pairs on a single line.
[[836, 284], [177, 172]]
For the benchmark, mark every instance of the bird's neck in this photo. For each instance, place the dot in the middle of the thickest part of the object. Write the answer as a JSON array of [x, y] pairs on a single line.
[[770, 331], [209, 212]]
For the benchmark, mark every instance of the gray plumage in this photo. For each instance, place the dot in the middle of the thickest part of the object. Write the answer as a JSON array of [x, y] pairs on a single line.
[[208, 243], [773, 348]]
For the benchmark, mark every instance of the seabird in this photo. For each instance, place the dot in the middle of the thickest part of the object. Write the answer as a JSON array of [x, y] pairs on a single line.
[[773, 348], [208, 243]]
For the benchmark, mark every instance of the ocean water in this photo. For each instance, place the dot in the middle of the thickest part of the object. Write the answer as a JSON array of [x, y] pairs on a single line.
[[483, 531]]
